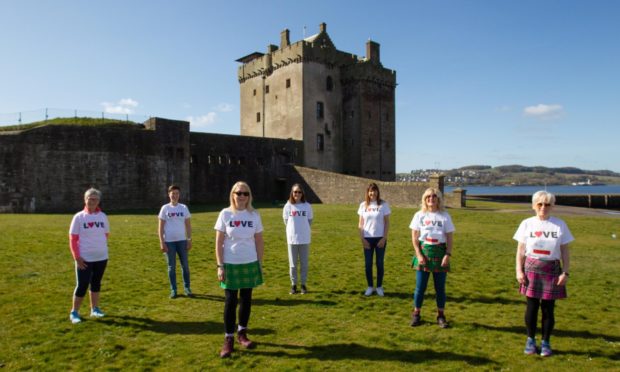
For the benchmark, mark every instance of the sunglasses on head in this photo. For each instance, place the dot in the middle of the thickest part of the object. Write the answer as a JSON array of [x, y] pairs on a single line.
[[244, 193]]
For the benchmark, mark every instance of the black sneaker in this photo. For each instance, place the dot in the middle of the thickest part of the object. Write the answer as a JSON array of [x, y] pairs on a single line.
[[416, 320], [293, 290], [442, 322], [304, 290]]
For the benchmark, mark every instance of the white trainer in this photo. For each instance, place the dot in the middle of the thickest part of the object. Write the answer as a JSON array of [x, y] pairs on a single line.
[[369, 291]]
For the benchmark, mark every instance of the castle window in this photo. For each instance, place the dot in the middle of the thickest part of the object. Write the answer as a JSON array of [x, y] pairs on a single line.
[[254, 91], [288, 83], [266, 89], [329, 85], [258, 117], [320, 110], [320, 142]]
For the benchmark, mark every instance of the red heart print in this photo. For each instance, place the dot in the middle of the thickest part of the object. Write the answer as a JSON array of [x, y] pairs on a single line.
[[428, 222], [91, 224], [538, 234], [237, 223]]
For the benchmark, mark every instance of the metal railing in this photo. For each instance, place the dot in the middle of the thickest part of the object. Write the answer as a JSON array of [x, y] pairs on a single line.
[[45, 114]]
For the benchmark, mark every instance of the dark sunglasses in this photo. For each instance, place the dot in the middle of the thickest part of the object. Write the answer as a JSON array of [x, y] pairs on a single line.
[[545, 204], [297, 192], [239, 193], [431, 196]]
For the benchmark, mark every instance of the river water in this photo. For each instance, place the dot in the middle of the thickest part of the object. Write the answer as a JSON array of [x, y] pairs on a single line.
[[529, 190]]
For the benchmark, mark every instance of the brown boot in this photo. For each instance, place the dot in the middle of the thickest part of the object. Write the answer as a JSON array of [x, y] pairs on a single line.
[[242, 337], [228, 347]]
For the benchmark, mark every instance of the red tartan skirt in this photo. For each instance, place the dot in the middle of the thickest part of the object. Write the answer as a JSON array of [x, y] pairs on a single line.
[[541, 278]]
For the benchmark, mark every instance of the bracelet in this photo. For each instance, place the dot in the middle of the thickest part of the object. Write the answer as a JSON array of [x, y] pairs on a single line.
[[448, 254], [565, 273], [220, 266], [189, 239]]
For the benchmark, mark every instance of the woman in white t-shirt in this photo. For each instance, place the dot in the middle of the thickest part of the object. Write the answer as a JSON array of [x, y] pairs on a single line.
[[88, 241], [175, 238], [239, 251], [373, 225], [542, 266], [431, 235], [297, 215]]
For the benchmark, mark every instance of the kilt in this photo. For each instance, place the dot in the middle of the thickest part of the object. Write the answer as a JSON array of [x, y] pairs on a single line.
[[541, 278], [237, 276], [434, 255]]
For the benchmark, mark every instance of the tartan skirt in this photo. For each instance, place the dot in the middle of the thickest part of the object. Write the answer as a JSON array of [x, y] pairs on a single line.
[[434, 255], [237, 276], [541, 278]]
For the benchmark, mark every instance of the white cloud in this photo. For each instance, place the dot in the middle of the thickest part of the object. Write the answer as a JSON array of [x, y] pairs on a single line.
[[224, 107], [203, 122], [543, 111], [124, 106]]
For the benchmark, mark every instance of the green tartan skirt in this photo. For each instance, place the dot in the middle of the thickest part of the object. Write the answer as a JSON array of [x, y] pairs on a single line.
[[237, 276], [434, 255]]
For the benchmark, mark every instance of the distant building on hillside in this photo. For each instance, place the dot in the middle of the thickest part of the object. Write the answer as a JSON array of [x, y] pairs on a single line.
[[341, 106]]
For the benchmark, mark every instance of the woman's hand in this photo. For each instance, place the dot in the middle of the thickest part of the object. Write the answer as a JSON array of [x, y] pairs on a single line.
[[80, 263], [421, 259], [163, 247], [221, 275], [562, 279], [445, 261], [381, 243], [365, 244], [189, 245], [521, 277]]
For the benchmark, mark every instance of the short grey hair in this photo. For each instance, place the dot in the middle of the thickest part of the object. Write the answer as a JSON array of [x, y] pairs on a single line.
[[543, 196], [92, 191]]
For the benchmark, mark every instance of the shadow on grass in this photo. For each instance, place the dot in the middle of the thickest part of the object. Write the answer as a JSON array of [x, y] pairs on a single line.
[[556, 332], [457, 299], [277, 301], [360, 352], [167, 327]]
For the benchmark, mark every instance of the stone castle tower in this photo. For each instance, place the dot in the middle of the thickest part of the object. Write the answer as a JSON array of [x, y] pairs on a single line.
[[340, 105]]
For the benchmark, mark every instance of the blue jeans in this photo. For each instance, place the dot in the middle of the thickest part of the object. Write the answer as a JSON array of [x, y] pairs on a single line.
[[368, 253], [179, 248], [421, 281]]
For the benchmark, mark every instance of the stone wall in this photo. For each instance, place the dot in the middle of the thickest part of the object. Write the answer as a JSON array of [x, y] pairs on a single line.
[[333, 188], [218, 161], [47, 169], [586, 201]]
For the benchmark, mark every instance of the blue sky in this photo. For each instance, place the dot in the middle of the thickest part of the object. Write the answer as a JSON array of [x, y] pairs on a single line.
[[484, 82]]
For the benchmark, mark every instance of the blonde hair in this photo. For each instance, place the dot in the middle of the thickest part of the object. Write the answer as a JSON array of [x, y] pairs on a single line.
[[428, 192], [544, 197], [233, 206]]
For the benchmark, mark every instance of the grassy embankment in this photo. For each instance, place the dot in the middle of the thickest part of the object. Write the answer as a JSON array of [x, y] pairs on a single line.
[[334, 327]]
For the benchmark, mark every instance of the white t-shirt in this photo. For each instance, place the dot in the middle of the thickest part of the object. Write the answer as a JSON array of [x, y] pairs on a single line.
[[373, 215], [91, 229], [543, 238], [175, 216], [433, 226], [297, 218], [239, 229]]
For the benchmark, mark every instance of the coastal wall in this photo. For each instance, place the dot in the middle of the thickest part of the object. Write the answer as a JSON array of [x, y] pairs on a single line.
[[586, 201]]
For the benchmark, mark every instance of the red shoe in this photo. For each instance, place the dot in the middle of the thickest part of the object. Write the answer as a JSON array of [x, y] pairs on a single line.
[[242, 337], [228, 347]]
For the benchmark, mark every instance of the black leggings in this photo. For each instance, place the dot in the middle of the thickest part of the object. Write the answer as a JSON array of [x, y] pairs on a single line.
[[91, 275], [230, 307], [531, 315]]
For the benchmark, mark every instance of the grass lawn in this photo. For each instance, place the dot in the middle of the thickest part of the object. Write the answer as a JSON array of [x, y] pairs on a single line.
[[334, 327]]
